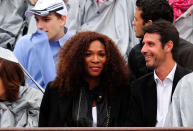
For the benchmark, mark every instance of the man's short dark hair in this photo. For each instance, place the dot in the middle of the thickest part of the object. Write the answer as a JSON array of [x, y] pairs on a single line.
[[155, 10], [167, 32]]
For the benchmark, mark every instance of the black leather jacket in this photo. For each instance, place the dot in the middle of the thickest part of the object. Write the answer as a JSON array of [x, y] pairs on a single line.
[[82, 108], [76, 111]]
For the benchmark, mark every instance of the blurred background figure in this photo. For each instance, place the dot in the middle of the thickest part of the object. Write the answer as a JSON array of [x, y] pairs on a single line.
[[90, 88], [183, 18], [19, 103], [13, 22], [110, 17]]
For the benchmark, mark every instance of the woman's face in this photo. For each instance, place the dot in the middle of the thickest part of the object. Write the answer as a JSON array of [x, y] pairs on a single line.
[[2, 90], [95, 59]]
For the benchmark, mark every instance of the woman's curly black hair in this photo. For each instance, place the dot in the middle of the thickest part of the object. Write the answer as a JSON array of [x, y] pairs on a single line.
[[70, 68]]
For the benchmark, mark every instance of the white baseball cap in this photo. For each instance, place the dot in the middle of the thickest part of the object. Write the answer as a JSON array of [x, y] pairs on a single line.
[[45, 7]]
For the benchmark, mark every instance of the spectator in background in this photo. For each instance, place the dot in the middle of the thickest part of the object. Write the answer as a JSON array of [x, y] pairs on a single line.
[[13, 23], [19, 104], [183, 18], [110, 17], [37, 52], [90, 88], [147, 12], [180, 6]]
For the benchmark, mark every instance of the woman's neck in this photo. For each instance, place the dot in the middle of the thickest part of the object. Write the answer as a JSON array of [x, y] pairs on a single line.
[[93, 82]]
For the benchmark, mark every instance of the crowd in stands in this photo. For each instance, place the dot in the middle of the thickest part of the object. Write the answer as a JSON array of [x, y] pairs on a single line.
[[96, 63]]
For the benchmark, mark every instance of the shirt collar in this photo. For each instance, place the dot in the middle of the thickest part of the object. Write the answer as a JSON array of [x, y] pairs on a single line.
[[62, 40], [170, 76]]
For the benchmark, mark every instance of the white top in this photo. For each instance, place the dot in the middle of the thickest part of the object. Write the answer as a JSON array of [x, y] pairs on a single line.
[[94, 116], [164, 91]]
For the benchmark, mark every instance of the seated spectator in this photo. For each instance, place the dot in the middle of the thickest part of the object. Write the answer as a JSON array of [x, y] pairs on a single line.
[[37, 52], [90, 88], [110, 17], [19, 103], [180, 113]]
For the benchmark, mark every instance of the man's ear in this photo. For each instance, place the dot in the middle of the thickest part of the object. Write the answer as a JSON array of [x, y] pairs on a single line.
[[63, 19], [148, 22], [169, 46]]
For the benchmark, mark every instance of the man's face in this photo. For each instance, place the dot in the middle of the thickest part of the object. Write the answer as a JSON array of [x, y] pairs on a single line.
[[52, 25], [138, 23], [152, 50]]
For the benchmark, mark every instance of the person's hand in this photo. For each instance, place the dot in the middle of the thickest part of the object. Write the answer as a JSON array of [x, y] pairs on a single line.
[[33, 1]]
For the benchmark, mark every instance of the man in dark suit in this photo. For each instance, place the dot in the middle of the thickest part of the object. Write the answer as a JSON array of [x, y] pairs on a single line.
[[151, 94], [149, 11]]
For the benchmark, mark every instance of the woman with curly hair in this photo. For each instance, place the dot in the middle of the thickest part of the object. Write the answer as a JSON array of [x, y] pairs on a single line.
[[91, 86]]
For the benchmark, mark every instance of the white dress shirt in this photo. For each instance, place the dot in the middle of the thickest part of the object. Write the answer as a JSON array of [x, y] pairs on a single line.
[[164, 91]]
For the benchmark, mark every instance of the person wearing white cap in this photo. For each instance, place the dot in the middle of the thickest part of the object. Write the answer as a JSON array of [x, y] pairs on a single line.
[[38, 52]]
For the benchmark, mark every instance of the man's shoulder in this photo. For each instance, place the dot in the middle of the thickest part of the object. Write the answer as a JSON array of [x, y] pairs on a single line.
[[185, 44], [143, 82], [145, 78], [25, 38], [136, 50], [137, 47], [143, 86], [24, 41]]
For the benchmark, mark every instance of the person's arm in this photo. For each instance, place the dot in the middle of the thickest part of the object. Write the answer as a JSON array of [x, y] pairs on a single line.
[[135, 109]]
